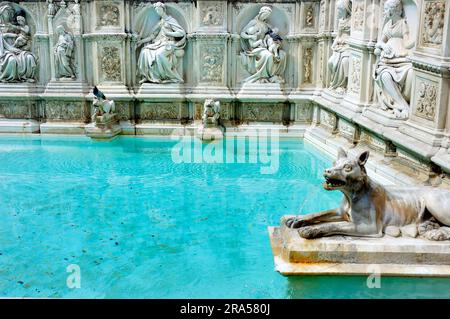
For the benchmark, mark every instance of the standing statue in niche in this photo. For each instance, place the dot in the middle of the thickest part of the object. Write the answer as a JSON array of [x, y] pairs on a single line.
[[17, 63], [52, 8], [63, 54], [159, 59], [262, 56], [394, 72], [339, 60]]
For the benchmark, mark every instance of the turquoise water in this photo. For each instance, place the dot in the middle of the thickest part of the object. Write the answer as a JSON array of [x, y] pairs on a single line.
[[140, 225]]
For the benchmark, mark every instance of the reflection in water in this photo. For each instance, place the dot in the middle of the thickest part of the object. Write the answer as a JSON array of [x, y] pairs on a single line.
[[301, 287]]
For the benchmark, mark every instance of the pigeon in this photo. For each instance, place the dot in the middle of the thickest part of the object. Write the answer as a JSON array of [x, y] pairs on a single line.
[[274, 35], [99, 94]]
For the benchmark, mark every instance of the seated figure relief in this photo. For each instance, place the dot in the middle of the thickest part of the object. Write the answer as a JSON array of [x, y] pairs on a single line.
[[163, 50], [262, 55], [339, 61], [17, 62], [394, 72], [370, 209]]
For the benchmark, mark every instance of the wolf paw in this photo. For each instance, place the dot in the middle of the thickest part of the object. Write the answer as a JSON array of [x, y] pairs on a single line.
[[427, 226], [309, 232], [442, 233], [295, 222]]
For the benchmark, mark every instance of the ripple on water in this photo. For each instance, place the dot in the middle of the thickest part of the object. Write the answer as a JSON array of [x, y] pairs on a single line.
[[140, 225]]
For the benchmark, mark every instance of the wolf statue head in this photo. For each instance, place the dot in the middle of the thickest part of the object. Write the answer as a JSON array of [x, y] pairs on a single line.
[[347, 174]]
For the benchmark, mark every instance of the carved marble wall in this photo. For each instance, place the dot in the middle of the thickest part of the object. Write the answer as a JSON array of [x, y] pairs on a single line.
[[310, 49]]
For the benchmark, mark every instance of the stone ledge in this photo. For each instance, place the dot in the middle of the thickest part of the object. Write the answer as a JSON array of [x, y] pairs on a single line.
[[19, 126], [343, 255]]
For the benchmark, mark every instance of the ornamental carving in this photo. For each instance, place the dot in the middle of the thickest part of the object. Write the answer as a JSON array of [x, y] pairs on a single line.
[[159, 111], [356, 75], [111, 64], [63, 110], [328, 119], [307, 63], [263, 113], [309, 16], [212, 15], [322, 15], [426, 102], [108, 15], [212, 63], [15, 110]]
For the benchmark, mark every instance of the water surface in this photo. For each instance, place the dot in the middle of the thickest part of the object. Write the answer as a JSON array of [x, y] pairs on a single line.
[[140, 225]]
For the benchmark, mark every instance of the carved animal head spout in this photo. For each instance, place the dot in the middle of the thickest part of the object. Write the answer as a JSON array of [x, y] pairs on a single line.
[[347, 174]]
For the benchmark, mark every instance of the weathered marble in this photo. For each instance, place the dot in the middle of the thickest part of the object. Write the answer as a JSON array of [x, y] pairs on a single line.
[[320, 56]]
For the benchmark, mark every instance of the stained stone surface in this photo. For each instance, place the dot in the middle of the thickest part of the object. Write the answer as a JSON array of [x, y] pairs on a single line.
[[346, 255]]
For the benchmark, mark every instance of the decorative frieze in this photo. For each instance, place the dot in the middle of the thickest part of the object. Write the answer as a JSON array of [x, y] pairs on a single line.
[[64, 110], [16, 109], [328, 120], [267, 112], [303, 112], [159, 111]]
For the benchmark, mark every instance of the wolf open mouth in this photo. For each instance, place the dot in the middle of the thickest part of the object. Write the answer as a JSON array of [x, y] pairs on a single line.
[[333, 182]]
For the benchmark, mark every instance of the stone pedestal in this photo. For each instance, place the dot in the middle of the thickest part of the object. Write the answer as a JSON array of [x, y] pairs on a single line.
[[269, 92], [212, 133], [104, 128], [169, 91], [343, 255]]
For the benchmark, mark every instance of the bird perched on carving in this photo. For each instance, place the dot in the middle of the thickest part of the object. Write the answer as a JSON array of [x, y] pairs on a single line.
[[99, 94], [274, 35]]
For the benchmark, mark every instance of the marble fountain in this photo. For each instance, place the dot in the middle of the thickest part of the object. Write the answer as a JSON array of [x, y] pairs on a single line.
[[364, 76]]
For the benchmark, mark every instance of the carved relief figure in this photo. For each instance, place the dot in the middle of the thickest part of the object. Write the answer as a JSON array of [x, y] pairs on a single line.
[[338, 62], [309, 16], [52, 8], [322, 14], [369, 209], [434, 23], [76, 9], [307, 59], [212, 15], [63, 53], [358, 16], [163, 50], [262, 56], [356, 75], [17, 63], [393, 73]]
